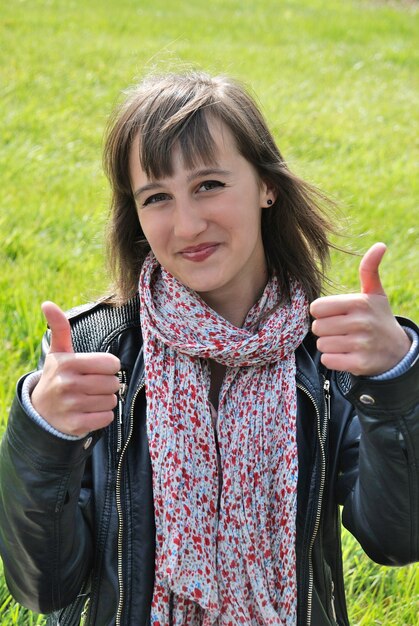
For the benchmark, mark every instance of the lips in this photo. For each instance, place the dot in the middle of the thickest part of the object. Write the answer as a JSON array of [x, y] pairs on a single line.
[[199, 253]]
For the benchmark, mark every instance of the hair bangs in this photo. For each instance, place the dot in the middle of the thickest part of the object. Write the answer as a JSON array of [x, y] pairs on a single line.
[[191, 134]]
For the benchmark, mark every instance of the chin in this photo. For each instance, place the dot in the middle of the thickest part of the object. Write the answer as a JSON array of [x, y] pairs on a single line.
[[200, 285]]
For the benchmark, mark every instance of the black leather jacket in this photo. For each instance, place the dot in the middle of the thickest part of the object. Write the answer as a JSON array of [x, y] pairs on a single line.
[[76, 517]]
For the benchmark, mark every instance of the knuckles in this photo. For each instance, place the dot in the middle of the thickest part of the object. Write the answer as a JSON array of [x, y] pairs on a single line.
[[361, 365], [63, 385]]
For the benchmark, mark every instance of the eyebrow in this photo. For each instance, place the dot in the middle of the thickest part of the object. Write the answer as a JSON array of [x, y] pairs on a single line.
[[209, 171]]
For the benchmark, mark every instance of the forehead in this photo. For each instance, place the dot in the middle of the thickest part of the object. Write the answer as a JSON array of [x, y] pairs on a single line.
[[213, 147]]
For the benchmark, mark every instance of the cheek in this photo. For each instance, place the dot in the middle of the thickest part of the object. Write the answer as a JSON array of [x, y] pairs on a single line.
[[146, 225], [154, 230]]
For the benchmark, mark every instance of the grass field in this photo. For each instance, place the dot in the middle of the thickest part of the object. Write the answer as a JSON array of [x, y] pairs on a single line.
[[338, 82]]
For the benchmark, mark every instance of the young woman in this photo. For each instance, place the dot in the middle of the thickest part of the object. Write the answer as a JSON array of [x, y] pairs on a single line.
[[180, 456]]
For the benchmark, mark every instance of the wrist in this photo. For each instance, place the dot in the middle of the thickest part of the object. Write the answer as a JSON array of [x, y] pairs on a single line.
[[406, 361]]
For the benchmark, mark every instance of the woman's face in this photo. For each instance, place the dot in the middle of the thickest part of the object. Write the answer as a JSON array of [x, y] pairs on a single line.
[[204, 224]]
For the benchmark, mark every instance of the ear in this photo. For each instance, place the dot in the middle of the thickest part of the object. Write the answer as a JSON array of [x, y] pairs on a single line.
[[268, 194]]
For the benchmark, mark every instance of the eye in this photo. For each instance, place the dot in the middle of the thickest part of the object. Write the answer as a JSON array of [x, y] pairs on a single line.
[[157, 197], [207, 185]]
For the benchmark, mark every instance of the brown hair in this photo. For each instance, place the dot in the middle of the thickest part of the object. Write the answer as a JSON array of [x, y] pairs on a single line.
[[174, 109]]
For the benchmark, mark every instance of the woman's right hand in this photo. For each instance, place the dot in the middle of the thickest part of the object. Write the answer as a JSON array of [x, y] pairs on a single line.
[[76, 393]]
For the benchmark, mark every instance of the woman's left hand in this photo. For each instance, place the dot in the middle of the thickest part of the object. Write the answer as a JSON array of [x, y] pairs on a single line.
[[358, 333]]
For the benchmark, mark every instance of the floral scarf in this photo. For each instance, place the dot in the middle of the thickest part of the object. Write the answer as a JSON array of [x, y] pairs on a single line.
[[225, 494]]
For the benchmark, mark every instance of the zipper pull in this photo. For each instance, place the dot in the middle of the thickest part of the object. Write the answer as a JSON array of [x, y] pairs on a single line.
[[326, 388], [121, 401], [122, 392]]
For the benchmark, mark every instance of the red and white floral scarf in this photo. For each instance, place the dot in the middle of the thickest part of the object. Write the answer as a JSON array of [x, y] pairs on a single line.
[[225, 544]]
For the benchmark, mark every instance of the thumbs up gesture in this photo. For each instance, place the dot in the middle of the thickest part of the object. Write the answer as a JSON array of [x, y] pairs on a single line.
[[358, 333], [76, 393]]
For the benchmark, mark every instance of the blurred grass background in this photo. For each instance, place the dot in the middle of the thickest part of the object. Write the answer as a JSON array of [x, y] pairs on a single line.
[[338, 82]]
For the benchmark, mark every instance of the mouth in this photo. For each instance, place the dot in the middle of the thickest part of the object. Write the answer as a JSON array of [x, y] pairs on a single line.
[[199, 253]]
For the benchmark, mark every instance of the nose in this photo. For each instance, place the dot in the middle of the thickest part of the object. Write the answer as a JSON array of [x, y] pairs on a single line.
[[189, 221]]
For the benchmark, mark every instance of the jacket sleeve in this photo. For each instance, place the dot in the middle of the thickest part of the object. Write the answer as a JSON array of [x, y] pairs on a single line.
[[382, 507], [45, 517]]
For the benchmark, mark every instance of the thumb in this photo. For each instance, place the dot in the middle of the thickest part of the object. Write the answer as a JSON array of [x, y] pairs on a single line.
[[60, 328], [368, 270]]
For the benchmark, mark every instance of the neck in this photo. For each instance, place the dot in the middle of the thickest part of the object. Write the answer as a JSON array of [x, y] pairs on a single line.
[[234, 307]]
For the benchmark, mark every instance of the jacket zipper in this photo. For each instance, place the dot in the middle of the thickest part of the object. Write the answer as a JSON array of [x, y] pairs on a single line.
[[321, 435], [326, 388], [121, 448], [332, 602]]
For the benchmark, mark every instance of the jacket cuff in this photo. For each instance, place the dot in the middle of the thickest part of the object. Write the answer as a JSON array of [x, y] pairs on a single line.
[[387, 398]]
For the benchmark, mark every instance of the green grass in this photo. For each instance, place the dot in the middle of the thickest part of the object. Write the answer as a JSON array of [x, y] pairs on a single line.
[[338, 82]]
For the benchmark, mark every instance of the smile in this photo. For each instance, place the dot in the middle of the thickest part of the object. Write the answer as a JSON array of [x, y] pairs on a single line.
[[199, 253]]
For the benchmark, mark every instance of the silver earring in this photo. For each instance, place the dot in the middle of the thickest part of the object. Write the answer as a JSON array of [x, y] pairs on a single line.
[[269, 202]]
